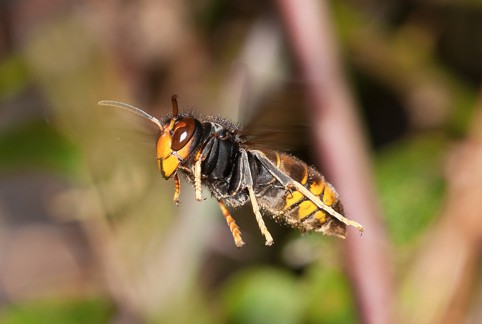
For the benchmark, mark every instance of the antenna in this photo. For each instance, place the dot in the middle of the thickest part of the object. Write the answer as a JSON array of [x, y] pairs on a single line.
[[175, 108], [133, 109]]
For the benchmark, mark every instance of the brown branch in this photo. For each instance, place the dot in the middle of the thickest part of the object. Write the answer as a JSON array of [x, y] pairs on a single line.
[[343, 151]]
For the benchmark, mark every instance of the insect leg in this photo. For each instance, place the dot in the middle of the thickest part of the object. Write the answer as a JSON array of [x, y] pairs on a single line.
[[249, 185], [197, 179], [198, 159], [259, 218], [177, 189], [232, 225], [288, 182]]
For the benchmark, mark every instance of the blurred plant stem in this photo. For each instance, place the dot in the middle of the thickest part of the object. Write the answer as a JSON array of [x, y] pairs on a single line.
[[340, 141], [439, 287]]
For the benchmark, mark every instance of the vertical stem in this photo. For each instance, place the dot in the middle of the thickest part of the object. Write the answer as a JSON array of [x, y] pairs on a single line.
[[342, 149]]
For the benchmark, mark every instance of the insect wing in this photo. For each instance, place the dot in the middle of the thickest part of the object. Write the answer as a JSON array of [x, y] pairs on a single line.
[[279, 122]]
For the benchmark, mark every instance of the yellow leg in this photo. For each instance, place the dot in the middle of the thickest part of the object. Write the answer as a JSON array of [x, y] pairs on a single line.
[[197, 180], [259, 218], [232, 225], [177, 189]]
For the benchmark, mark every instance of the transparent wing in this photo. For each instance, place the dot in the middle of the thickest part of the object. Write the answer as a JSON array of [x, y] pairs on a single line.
[[279, 121]]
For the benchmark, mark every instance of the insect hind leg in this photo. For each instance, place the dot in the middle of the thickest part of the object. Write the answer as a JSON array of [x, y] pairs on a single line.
[[289, 184], [259, 218]]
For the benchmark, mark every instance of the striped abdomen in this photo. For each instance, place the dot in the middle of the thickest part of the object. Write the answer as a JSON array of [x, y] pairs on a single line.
[[293, 208]]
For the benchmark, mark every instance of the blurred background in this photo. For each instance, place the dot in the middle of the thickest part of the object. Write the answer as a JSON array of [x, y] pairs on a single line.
[[388, 96]]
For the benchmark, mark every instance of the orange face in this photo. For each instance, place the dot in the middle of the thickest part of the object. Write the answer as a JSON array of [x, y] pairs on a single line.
[[174, 144]]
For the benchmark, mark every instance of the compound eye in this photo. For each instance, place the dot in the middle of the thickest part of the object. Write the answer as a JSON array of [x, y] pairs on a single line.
[[183, 132]]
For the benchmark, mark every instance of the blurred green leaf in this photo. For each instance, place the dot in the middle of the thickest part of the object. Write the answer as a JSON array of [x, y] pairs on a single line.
[[263, 295], [13, 76], [328, 296], [58, 311], [411, 186], [37, 145]]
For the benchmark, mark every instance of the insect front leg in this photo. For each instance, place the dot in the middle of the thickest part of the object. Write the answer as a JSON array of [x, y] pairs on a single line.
[[248, 178], [238, 240], [197, 179], [289, 183], [177, 189], [198, 159]]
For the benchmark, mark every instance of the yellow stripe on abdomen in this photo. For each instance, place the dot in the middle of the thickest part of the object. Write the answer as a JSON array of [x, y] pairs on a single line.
[[329, 195], [320, 216], [316, 188], [306, 209], [293, 198]]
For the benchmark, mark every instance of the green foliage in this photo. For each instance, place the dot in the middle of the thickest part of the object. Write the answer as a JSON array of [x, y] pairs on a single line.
[[328, 296], [49, 311], [37, 145], [269, 295], [411, 186], [14, 76], [263, 295]]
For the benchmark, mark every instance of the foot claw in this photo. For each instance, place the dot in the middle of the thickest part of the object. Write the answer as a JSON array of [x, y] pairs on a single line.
[[240, 244]]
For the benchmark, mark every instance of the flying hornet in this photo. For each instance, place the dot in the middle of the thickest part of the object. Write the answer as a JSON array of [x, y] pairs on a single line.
[[213, 152]]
